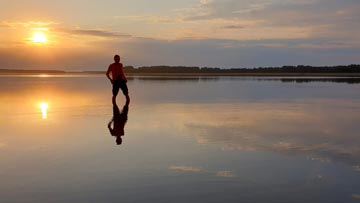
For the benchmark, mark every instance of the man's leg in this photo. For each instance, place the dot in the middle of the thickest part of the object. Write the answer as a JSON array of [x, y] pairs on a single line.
[[115, 91], [125, 91]]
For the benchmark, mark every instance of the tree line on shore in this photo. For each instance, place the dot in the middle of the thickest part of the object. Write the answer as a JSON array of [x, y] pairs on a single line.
[[284, 69], [354, 68]]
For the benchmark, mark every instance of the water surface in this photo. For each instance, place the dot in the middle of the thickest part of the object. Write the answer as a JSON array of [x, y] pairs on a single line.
[[189, 139]]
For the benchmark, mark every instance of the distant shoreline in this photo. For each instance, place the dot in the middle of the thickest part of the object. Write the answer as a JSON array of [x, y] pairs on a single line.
[[197, 74], [251, 74], [173, 71]]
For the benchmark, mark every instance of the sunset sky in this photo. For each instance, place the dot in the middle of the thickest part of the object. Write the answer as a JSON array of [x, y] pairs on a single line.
[[84, 35]]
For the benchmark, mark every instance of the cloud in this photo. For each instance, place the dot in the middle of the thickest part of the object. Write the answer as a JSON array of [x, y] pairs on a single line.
[[314, 18], [324, 139], [286, 142], [4, 25], [191, 169], [186, 169], [148, 18], [28, 24], [223, 53], [225, 9], [222, 33], [233, 27], [91, 32], [319, 159], [356, 196], [275, 10], [226, 174]]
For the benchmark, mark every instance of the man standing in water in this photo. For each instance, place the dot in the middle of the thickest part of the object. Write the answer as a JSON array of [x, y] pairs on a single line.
[[118, 79]]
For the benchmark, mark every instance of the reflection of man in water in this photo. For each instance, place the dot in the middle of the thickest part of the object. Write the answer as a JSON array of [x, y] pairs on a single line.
[[118, 79], [119, 119]]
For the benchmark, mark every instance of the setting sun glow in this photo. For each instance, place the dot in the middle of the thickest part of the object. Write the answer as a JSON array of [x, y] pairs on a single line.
[[39, 37], [44, 106]]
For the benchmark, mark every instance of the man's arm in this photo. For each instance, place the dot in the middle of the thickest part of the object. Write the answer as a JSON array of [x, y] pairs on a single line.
[[108, 75], [123, 74], [109, 126]]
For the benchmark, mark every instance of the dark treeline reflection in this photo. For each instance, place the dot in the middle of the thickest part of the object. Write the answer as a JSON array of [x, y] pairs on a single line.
[[307, 80]]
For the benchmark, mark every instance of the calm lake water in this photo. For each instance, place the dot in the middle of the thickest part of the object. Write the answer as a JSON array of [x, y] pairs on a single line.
[[207, 139]]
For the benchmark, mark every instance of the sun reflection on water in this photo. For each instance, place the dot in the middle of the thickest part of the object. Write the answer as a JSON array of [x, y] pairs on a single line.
[[44, 106]]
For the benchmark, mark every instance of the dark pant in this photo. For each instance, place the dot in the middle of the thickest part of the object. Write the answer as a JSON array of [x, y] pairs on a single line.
[[119, 84]]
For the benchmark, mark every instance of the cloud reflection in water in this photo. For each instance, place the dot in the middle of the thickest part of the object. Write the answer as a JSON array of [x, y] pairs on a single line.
[[321, 130]]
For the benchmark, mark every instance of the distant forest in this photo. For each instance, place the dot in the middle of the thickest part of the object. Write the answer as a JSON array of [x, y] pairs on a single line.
[[301, 69], [285, 69]]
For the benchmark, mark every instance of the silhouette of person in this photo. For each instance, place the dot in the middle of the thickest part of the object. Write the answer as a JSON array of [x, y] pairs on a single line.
[[119, 120], [117, 79]]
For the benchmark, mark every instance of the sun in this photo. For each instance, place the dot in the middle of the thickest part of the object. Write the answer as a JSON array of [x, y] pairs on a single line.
[[39, 37]]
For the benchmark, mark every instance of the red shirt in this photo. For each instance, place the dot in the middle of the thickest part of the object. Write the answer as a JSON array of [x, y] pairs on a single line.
[[117, 71]]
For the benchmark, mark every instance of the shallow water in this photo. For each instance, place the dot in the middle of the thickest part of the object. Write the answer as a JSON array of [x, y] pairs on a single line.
[[189, 139]]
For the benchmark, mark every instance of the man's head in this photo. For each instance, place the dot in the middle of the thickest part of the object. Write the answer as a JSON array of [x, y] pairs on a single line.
[[117, 58], [118, 140]]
